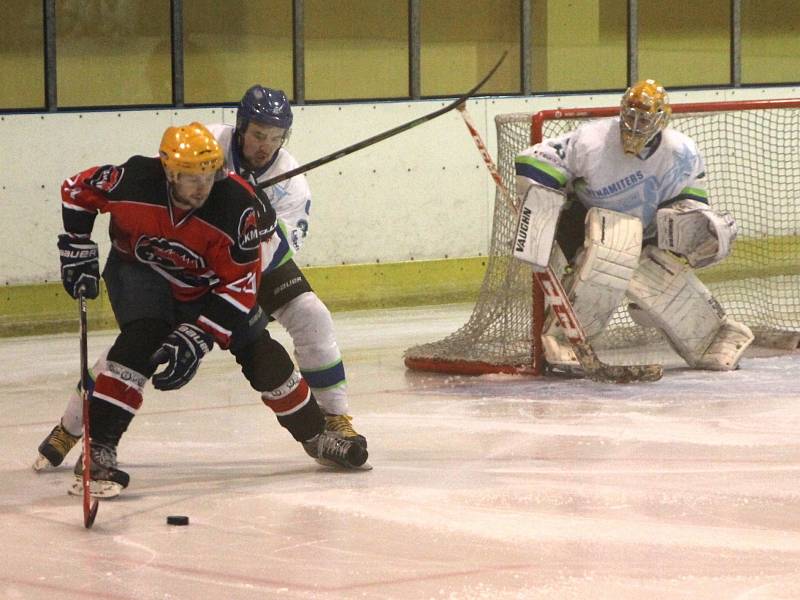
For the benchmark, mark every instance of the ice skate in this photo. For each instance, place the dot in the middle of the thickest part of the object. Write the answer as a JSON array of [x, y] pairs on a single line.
[[107, 480], [342, 426], [330, 450], [559, 356], [54, 448]]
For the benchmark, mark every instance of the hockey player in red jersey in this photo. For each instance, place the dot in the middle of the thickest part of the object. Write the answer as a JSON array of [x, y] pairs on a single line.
[[182, 275], [254, 149]]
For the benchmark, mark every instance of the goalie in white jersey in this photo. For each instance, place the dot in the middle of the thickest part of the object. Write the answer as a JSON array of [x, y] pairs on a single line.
[[254, 150], [634, 222]]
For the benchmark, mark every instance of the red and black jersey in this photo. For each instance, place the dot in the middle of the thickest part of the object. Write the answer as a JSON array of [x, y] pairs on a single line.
[[214, 248]]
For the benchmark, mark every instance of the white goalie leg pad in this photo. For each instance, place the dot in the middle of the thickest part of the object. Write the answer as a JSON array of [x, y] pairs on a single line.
[[695, 230], [308, 321], [604, 269], [675, 301], [732, 339], [536, 225]]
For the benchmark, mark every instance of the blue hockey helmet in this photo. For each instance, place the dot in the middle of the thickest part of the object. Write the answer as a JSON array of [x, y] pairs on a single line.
[[264, 105]]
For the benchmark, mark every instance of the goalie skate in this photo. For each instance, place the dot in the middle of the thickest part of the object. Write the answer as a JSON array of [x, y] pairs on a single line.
[[560, 357]]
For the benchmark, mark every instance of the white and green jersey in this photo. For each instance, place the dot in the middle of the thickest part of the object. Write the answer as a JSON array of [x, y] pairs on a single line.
[[590, 164], [291, 199]]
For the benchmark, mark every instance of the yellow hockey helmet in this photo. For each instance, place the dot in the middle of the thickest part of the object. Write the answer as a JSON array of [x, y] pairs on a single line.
[[644, 112], [190, 149]]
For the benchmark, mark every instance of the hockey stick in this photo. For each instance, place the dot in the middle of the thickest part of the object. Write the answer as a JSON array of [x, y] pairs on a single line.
[[382, 136], [89, 505], [551, 287]]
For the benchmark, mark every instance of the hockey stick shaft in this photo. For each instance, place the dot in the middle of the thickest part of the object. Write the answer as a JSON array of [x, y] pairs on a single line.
[[552, 288], [89, 505], [382, 136]]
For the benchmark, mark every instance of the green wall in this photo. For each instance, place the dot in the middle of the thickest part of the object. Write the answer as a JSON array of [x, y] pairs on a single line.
[[46, 308]]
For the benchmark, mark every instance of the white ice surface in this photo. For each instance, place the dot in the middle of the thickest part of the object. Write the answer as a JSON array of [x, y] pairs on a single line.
[[489, 487]]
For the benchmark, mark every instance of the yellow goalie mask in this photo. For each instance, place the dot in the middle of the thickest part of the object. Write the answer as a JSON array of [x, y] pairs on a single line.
[[190, 149], [644, 112]]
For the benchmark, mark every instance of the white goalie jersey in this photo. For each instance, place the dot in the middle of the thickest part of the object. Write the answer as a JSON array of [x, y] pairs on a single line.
[[589, 162], [291, 199]]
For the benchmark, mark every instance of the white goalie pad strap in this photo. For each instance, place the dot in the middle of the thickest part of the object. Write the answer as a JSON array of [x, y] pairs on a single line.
[[559, 263], [676, 302], [732, 339], [605, 266], [536, 225], [557, 350], [694, 230], [561, 269]]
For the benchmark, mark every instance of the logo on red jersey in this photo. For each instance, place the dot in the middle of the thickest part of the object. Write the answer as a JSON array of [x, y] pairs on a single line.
[[248, 237], [245, 285], [168, 254], [106, 178]]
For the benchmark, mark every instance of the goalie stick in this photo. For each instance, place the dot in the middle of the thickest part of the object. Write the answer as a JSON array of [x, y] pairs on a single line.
[[89, 504], [382, 136], [551, 287]]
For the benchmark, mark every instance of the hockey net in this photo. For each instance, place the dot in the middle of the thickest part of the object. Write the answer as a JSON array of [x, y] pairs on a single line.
[[751, 151]]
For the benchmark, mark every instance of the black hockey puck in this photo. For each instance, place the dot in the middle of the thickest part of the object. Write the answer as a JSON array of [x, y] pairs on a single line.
[[177, 520]]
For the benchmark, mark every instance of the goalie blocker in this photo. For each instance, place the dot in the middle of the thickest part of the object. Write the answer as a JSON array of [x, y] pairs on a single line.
[[536, 224]]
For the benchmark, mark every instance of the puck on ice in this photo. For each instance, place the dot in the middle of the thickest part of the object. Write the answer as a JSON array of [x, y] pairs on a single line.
[[177, 520]]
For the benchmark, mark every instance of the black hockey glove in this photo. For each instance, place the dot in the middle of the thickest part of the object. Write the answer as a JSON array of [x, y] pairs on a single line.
[[182, 350], [265, 214], [80, 268]]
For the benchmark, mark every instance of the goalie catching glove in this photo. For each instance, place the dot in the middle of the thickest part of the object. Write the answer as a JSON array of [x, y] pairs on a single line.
[[80, 269], [182, 350], [695, 231]]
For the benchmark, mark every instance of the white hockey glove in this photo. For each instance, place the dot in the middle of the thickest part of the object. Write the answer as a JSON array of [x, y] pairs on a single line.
[[536, 225], [695, 231]]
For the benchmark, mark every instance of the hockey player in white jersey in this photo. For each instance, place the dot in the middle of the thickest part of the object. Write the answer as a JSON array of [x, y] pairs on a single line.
[[253, 148], [634, 224]]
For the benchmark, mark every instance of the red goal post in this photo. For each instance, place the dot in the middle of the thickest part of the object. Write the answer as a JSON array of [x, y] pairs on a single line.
[[752, 154], [539, 119]]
